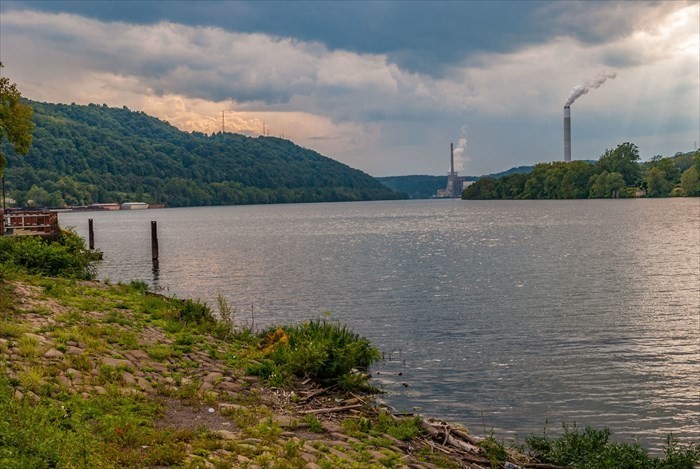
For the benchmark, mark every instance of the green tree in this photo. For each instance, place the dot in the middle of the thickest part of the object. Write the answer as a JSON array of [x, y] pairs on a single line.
[[15, 120], [615, 186], [599, 185], [657, 184], [624, 160], [690, 182]]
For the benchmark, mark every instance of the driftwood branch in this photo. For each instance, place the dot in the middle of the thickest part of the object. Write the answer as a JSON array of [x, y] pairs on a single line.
[[536, 465], [318, 392], [329, 410]]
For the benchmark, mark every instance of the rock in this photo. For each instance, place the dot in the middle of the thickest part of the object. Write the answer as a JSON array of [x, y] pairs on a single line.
[[128, 378], [331, 427], [312, 465], [116, 362], [137, 354], [53, 353], [18, 395], [144, 384], [231, 407], [64, 381], [339, 436], [39, 338], [251, 379], [228, 435], [308, 457], [72, 350], [340, 454], [213, 377], [231, 387], [284, 421]]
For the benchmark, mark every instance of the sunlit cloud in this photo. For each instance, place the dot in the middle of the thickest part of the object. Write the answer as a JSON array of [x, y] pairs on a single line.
[[363, 108]]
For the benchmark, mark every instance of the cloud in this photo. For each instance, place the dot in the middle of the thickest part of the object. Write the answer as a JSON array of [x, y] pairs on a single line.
[[364, 107]]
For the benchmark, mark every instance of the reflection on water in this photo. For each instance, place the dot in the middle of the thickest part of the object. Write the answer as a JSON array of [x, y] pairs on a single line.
[[498, 314]]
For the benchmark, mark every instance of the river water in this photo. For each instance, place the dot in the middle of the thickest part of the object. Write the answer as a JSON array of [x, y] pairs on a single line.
[[503, 315]]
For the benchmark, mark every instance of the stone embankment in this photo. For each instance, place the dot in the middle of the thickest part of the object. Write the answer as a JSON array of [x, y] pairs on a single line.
[[87, 339]]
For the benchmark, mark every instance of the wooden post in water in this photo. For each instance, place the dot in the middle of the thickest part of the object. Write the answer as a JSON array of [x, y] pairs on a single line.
[[154, 244], [91, 235]]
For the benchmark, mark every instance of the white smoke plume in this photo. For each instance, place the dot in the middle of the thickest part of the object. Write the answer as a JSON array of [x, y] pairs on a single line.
[[585, 87], [460, 150]]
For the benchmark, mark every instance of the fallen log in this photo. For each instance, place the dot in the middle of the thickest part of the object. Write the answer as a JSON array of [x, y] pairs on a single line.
[[443, 433]]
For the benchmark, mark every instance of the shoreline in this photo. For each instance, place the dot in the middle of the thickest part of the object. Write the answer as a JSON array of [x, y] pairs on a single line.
[[197, 388]]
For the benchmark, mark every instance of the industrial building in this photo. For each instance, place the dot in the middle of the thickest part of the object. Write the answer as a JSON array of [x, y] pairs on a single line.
[[455, 184]]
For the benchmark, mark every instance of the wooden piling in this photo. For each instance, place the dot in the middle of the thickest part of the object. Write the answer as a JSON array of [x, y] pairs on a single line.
[[154, 242], [91, 235]]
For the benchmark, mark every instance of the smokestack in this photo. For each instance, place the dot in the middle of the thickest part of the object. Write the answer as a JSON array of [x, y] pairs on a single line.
[[452, 160], [567, 133]]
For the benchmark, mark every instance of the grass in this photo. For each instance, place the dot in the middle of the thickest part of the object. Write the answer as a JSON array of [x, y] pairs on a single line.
[[589, 448]]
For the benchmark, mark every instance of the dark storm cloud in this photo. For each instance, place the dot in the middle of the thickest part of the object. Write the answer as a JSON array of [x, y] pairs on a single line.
[[425, 37]]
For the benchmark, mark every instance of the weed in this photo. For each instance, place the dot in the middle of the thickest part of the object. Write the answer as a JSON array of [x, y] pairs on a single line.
[[493, 450], [116, 317], [313, 422], [80, 362], [32, 378], [227, 313], [193, 311], [109, 374], [161, 352], [267, 430], [139, 286], [28, 346], [292, 449], [11, 329]]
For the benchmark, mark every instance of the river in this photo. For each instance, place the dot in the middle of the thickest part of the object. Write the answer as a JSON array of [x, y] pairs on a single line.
[[503, 315]]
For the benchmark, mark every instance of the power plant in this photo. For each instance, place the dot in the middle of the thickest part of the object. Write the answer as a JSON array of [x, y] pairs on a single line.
[[567, 133], [455, 184]]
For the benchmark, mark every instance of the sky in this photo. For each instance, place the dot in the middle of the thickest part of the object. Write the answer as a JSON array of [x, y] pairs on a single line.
[[382, 86]]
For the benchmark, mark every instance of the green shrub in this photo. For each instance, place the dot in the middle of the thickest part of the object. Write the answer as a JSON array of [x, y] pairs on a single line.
[[196, 312], [591, 448], [66, 257], [323, 351]]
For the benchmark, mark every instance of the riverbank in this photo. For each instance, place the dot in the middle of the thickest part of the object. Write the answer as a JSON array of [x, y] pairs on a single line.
[[97, 375]]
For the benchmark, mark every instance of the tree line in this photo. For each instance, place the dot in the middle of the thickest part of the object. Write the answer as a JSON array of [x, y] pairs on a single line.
[[618, 173]]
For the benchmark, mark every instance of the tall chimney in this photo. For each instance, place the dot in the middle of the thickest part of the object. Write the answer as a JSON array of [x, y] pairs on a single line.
[[452, 160], [567, 134]]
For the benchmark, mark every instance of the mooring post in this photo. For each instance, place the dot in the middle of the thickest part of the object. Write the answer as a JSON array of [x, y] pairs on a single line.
[[91, 235], [154, 242]]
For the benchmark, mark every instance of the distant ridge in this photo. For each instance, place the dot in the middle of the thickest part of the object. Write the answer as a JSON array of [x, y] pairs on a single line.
[[95, 154]]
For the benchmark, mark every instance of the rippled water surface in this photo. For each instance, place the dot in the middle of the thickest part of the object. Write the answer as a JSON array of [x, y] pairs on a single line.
[[494, 314]]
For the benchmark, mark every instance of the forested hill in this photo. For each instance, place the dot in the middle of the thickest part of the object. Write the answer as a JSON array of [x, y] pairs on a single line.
[[89, 154]]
